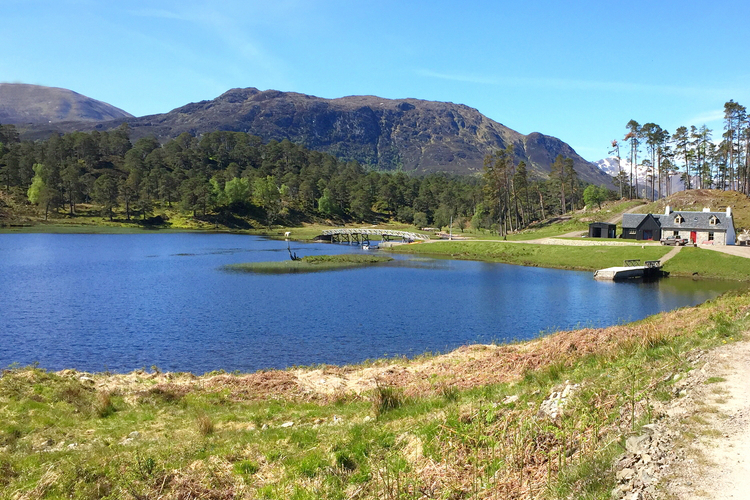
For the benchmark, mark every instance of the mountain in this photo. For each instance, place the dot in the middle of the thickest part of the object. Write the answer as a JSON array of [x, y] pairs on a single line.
[[22, 104], [409, 134], [610, 167]]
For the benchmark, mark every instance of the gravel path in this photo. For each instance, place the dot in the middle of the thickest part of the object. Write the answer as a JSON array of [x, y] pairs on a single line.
[[716, 464], [739, 251]]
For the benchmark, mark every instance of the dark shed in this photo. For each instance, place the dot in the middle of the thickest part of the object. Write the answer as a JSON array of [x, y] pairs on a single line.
[[602, 230], [641, 227]]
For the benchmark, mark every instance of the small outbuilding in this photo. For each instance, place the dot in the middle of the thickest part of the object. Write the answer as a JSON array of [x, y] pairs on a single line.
[[641, 227], [602, 230]]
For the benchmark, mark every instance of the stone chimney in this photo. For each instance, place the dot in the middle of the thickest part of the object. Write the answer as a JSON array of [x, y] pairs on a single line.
[[729, 212], [706, 209], [668, 210]]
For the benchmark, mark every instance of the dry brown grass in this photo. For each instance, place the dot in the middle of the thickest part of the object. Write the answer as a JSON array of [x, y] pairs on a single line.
[[470, 445], [464, 368]]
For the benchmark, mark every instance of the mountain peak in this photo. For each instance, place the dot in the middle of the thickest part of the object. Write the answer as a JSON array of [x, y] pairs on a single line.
[[412, 135], [22, 104]]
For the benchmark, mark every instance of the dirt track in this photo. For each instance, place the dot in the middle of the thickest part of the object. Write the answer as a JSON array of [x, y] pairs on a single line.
[[717, 462]]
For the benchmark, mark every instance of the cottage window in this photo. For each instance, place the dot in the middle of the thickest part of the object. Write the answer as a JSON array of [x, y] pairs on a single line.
[[710, 236], [713, 220], [675, 233], [633, 231], [679, 219]]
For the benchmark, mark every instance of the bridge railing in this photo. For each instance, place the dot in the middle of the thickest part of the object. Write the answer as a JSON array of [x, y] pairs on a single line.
[[379, 232]]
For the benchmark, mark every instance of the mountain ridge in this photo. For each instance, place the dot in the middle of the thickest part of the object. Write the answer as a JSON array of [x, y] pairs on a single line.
[[412, 135], [22, 104]]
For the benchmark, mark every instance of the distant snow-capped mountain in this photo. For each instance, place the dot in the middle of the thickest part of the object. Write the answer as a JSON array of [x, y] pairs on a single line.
[[612, 167]]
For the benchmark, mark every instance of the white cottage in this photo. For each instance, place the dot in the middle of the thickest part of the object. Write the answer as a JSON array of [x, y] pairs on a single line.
[[702, 228]]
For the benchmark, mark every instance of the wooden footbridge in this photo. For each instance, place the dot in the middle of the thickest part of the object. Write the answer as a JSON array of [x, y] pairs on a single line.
[[362, 235]]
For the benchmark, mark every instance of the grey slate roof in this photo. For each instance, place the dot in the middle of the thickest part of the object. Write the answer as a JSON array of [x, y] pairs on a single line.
[[700, 221], [632, 221]]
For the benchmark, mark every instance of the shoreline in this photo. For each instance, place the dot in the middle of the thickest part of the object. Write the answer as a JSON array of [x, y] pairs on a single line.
[[548, 252], [570, 400]]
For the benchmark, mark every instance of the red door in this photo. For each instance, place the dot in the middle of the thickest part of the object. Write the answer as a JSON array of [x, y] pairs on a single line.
[[693, 237]]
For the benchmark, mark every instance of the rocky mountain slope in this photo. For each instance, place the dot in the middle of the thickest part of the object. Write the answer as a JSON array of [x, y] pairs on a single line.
[[409, 134], [22, 104]]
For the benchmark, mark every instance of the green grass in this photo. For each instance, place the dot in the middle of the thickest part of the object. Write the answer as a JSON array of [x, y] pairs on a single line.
[[714, 380], [224, 436], [702, 263], [309, 264], [587, 258]]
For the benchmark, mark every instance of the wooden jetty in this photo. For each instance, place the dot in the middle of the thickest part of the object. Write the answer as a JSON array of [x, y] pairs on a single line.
[[630, 269]]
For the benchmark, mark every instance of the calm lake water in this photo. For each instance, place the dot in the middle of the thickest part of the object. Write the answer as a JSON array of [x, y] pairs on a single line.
[[122, 302]]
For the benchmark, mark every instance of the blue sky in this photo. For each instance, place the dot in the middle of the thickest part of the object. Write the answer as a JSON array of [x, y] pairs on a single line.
[[577, 70]]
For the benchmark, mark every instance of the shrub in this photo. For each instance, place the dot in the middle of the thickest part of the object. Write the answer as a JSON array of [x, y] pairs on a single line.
[[205, 424], [386, 398]]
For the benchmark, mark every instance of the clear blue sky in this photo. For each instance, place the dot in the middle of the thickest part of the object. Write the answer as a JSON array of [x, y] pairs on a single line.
[[577, 70]]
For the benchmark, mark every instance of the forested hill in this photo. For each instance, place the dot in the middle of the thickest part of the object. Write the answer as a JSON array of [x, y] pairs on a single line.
[[236, 180], [22, 104], [405, 134]]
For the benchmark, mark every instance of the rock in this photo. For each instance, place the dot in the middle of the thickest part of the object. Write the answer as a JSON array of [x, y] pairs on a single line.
[[625, 474], [637, 444], [264, 427], [287, 424], [569, 389], [367, 418], [134, 435], [650, 428], [510, 399], [550, 407], [647, 476]]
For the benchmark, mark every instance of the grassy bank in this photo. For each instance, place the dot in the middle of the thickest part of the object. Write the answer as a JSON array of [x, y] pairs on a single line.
[[309, 264], [701, 263], [542, 419], [584, 258], [693, 262]]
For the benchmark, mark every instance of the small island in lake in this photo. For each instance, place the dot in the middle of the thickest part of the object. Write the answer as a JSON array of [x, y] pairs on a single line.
[[309, 264]]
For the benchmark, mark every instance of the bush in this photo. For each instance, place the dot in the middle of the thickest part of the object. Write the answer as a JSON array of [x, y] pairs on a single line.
[[386, 398], [420, 219], [205, 424], [405, 214]]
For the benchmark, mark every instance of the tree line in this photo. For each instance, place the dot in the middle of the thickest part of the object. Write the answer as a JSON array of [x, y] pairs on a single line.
[[224, 174], [691, 153]]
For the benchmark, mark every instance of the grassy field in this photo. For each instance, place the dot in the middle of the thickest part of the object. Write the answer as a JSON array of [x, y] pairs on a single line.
[[694, 262], [481, 422], [584, 258], [309, 264], [701, 263]]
